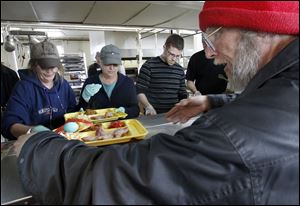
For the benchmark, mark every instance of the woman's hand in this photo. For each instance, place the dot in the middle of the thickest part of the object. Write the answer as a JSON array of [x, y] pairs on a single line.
[[188, 108]]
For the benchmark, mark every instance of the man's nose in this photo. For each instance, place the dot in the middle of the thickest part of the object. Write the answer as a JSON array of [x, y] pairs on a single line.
[[209, 53]]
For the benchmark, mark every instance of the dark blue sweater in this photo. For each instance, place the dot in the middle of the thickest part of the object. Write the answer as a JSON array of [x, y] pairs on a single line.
[[31, 103], [123, 95]]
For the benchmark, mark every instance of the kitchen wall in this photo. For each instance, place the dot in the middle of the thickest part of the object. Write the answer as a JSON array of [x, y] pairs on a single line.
[[126, 41]]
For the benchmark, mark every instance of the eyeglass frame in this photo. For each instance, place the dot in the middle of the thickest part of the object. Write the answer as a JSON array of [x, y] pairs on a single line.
[[174, 55], [205, 39]]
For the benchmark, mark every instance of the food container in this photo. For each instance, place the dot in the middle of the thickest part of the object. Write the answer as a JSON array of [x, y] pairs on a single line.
[[99, 113], [136, 131]]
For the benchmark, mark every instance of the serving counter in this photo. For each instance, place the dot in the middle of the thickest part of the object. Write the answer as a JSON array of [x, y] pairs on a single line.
[[11, 188]]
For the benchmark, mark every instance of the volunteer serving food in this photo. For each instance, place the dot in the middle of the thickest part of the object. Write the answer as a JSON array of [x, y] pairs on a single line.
[[110, 88], [41, 97]]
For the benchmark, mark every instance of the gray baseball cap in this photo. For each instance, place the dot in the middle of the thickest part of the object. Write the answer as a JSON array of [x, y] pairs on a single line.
[[110, 54], [46, 54]]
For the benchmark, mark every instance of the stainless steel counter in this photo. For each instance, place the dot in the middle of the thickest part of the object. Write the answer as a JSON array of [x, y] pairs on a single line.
[[11, 188]]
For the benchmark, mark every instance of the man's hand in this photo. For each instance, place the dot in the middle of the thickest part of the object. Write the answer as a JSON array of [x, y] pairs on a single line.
[[20, 142], [188, 108], [149, 110], [196, 93]]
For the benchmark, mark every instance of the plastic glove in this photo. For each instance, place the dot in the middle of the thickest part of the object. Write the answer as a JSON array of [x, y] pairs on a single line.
[[149, 110], [120, 109], [90, 90], [38, 128]]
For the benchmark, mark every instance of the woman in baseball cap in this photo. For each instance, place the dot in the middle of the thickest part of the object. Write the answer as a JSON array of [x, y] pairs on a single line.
[[42, 97], [110, 88]]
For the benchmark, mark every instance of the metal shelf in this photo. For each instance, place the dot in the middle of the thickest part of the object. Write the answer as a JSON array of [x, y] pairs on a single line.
[[75, 70]]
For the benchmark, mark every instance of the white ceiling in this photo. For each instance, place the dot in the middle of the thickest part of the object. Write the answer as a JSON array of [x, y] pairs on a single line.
[[74, 15]]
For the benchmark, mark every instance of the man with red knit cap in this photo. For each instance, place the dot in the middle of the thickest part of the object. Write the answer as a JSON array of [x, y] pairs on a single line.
[[244, 152]]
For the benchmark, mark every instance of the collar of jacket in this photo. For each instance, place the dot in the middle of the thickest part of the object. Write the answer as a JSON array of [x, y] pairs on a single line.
[[288, 57]]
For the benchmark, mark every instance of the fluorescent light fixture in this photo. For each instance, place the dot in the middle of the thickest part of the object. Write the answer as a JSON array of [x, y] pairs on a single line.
[[55, 34], [187, 32], [14, 28], [52, 33]]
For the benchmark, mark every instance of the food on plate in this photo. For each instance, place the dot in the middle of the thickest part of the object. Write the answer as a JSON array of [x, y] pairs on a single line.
[[92, 128], [101, 117], [96, 115], [116, 124], [90, 112], [101, 134]]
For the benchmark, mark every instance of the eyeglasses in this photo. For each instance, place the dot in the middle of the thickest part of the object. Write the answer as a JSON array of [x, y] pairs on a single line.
[[174, 55], [207, 42]]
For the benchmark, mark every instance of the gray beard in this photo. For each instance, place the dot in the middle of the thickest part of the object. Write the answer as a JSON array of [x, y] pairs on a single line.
[[245, 65]]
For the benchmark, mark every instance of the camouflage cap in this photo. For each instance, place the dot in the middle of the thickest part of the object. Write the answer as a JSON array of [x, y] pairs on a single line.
[[46, 54]]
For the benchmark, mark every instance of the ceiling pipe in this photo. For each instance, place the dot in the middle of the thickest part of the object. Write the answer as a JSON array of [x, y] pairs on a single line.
[[70, 26], [18, 32], [63, 26]]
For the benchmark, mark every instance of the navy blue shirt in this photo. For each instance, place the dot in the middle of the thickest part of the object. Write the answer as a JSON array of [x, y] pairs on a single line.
[[123, 95], [31, 103]]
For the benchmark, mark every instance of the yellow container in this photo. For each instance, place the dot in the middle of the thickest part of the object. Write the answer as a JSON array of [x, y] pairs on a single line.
[[136, 131], [99, 112]]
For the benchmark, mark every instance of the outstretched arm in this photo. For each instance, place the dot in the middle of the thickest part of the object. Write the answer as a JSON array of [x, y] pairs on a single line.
[[191, 107], [188, 108]]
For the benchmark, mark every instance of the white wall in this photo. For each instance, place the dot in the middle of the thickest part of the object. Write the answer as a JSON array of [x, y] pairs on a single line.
[[18, 59], [126, 41], [97, 41]]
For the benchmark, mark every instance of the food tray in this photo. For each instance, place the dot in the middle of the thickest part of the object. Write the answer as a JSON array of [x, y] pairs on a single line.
[[136, 131], [100, 112]]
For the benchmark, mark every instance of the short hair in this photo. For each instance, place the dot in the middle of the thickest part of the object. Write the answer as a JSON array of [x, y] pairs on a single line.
[[97, 54], [176, 41]]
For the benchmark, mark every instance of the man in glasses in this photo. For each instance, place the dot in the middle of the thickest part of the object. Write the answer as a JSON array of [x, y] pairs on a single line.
[[244, 153], [161, 80]]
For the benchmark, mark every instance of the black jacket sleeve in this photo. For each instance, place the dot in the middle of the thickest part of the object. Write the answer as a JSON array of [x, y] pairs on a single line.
[[162, 170]]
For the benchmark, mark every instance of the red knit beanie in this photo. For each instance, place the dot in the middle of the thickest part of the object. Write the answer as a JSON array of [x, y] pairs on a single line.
[[281, 17]]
